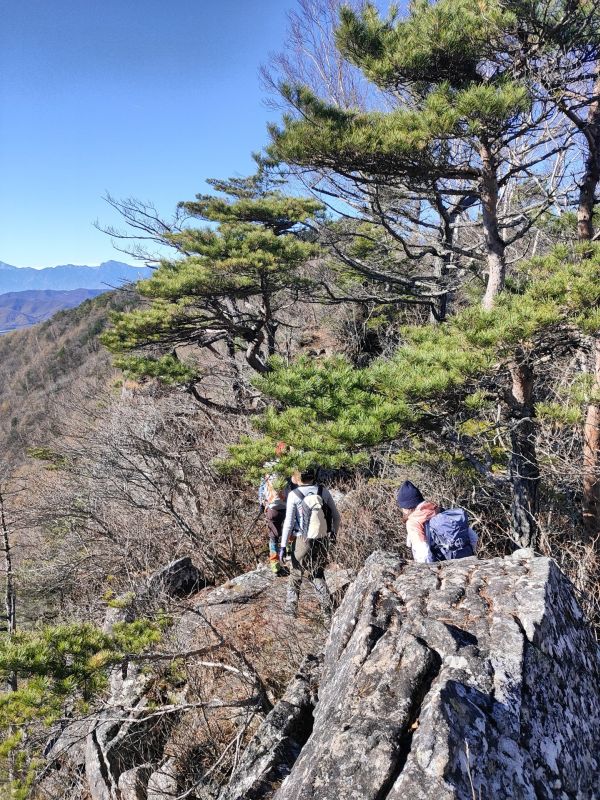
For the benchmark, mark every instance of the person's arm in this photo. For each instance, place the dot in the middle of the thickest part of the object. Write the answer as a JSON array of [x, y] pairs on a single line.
[[335, 514], [415, 531], [416, 538], [290, 515]]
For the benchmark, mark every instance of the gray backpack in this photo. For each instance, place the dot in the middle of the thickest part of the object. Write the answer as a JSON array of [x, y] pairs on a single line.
[[316, 514]]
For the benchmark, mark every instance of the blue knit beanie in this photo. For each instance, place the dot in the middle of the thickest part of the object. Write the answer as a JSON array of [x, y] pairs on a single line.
[[408, 495]]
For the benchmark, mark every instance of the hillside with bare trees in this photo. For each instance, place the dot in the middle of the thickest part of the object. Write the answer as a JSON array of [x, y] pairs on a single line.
[[401, 306]]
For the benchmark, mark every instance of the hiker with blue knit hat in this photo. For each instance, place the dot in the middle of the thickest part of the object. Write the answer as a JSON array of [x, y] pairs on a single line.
[[434, 534]]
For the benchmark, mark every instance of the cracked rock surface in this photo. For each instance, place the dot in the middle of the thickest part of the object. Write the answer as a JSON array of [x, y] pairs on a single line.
[[465, 680], [456, 680], [271, 753]]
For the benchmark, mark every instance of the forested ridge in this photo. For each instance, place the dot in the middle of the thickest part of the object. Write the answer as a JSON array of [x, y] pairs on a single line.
[[407, 288]]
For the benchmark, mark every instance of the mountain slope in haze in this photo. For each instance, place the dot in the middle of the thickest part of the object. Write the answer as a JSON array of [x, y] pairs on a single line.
[[109, 275], [41, 365], [20, 309]]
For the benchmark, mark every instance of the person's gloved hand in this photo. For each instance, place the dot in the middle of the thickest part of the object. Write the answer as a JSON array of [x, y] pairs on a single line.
[[282, 555]]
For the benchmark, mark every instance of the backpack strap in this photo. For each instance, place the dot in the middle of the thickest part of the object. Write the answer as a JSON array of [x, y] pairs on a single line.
[[427, 525], [327, 511], [302, 511]]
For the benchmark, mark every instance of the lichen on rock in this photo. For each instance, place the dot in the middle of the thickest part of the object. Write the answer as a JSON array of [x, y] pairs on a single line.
[[465, 679]]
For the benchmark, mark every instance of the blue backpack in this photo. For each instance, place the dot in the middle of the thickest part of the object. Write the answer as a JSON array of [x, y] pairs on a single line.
[[448, 535]]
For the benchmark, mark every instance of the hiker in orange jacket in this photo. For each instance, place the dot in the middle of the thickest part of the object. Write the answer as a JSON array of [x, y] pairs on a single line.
[[272, 496]]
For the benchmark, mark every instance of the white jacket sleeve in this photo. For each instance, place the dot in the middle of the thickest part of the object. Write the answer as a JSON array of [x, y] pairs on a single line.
[[421, 552], [290, 516]]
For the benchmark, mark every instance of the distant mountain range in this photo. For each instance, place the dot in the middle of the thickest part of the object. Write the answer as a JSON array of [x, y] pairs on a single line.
[[108, 275], [21, 309], [31, 295]]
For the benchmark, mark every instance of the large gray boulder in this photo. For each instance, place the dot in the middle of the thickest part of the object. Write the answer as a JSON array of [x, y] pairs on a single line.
[[162, 784], [134, 782], [469, 679], [179, 578]]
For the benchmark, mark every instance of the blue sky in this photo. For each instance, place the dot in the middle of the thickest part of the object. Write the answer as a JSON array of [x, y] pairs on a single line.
[[141, 98]]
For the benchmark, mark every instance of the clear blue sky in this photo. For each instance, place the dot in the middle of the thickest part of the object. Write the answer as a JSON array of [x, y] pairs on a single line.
[[141, 98]]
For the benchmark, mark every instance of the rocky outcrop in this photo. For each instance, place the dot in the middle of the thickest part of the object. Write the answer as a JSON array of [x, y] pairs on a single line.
[[240, 652], [464, 680], [179, 578], [469, 679]]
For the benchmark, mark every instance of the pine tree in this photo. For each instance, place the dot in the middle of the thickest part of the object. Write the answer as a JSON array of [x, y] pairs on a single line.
[[466, 83], [236, 275], [335, 415], [446, 144]]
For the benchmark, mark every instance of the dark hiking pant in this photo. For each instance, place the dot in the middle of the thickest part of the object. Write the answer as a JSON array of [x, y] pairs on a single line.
[[309, 559], [274, 518]]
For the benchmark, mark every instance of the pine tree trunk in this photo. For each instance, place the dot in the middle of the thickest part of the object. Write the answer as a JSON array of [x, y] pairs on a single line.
[[237, 385], [591, 465], [270, 322], [585, 232], [489, 211], [523, 465], [448, 218], [591, 175], [10, 593], [439, 308]]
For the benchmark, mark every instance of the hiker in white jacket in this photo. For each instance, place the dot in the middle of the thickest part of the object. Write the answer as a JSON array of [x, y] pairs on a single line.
[[309, 556]]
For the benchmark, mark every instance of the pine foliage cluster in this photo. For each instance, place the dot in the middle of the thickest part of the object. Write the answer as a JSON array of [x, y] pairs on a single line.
[[228, 283], [331, 412], [441, 57], [398, 291]]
